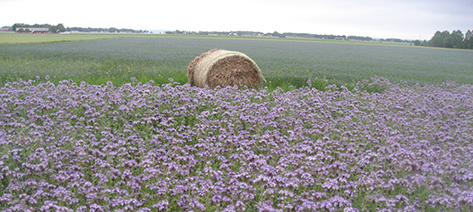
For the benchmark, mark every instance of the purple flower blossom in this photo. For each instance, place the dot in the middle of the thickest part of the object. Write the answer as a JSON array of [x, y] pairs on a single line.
[[161, 205]]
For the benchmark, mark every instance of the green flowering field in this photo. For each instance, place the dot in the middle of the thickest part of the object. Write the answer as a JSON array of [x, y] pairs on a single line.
[[284, 62]]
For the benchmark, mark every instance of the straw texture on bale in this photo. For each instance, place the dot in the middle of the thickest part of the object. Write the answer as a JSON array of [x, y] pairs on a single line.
[[224, 68]]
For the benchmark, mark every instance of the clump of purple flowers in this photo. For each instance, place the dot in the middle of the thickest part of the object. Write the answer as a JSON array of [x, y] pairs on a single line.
[[145, 147]]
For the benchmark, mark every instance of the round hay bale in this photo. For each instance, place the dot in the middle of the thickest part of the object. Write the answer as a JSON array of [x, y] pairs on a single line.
[[223, 68]]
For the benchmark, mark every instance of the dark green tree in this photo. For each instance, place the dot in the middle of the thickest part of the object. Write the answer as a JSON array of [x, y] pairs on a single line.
[[457, 37], [468, 41], [61, 28], [448, 42], [436, 40]]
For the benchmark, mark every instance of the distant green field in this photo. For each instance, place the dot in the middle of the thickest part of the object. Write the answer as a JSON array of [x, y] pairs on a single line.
[[27, 38], [291, 62]]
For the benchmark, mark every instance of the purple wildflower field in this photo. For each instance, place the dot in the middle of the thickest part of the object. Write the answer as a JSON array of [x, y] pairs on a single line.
[[147, 147]]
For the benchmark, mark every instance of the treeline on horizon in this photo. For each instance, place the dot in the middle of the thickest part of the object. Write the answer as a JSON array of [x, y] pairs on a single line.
[[60, 28], [456, 39], [52, 28], [109, 30], [444, 39], [274, 34]]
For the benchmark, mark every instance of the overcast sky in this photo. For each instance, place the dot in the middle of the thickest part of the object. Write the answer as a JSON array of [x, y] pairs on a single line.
[[405, 19]]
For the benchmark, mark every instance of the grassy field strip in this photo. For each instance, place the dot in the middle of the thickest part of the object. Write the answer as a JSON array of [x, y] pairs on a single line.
[[284, 64], [26, 38]]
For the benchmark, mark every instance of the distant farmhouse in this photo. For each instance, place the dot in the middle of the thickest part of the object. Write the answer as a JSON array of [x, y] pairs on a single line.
[[5, 29], [33, 30]]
